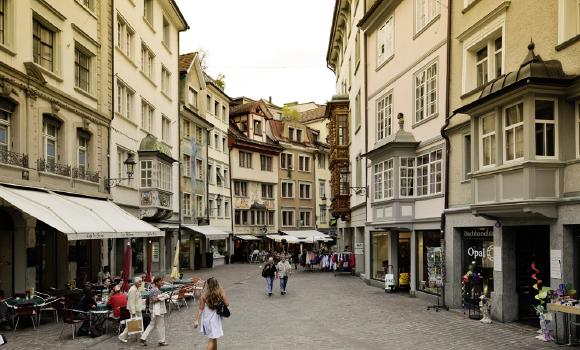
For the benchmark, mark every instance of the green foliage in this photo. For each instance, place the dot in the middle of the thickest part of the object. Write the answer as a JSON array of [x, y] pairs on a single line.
[[290, 114], [220, 81]]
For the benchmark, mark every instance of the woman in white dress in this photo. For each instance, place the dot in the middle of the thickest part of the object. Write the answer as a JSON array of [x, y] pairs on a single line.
[[211, 322]]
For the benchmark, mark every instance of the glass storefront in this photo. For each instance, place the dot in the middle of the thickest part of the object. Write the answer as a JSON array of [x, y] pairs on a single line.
[[379, 255], [478, 253], [430, 260]]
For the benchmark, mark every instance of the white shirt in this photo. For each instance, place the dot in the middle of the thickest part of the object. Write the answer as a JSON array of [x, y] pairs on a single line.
[[283, 268]]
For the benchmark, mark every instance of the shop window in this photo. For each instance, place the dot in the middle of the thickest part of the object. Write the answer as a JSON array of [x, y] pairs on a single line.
[[514, 132], [385, 116], [545, 123], [488, 140], [478, 254], [430, 262], [379, 255]]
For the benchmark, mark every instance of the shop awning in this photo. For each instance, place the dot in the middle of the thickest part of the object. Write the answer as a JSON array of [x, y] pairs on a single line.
[[209, 232], [248, 238], [279, 238], [78, 217], [309, 236]]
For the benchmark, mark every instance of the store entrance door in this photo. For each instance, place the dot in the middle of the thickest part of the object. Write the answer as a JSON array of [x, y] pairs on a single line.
[[404, 260], [532, 246]]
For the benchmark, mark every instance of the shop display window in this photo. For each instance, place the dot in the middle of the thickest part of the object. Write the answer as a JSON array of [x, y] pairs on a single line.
[[478, 254], [380, 255], [430, 261]]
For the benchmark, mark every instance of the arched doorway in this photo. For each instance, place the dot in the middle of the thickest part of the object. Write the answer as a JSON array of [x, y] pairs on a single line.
[[6, 253]]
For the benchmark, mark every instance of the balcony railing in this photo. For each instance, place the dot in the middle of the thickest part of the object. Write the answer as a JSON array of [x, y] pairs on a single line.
[[83, 174], [50, 166], [156, 198], [13, 158]]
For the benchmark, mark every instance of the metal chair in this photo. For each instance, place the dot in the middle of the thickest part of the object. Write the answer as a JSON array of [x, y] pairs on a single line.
[[179, 299], [50, 305], [69, 317], [24, 310]]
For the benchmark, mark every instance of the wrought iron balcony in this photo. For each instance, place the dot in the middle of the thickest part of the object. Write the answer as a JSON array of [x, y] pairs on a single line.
[[50, 166], [13, 158], [83, 174]]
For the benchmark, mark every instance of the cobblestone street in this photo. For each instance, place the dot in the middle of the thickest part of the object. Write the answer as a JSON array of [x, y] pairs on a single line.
[[320, 311]]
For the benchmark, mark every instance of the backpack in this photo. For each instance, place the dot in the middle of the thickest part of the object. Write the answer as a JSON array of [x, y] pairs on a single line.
[[265, 271]]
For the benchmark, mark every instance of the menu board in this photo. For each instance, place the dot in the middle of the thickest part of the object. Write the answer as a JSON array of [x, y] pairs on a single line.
[[435, 266]]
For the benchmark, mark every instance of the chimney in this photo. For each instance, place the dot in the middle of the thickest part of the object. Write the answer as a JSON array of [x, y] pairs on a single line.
[[270, 99]]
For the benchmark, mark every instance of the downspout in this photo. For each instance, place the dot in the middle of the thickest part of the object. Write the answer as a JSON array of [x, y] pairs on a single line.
[[112, 94], [446, 138], [179, 165]]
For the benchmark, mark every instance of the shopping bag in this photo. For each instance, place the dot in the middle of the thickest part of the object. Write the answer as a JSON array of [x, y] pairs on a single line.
[[135, 325]]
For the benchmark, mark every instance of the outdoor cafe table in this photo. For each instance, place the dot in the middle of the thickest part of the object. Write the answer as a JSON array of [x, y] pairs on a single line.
[[12, 302], [99, 315]]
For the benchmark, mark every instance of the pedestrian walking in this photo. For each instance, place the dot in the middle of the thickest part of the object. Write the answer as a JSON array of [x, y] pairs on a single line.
[[269, 273], [284, 270], [158, 310], [134, 305], [211, 323]]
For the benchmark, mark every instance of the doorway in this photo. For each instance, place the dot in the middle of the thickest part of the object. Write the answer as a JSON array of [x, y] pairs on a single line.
[[404, 260], [6, 254], [532, 246]]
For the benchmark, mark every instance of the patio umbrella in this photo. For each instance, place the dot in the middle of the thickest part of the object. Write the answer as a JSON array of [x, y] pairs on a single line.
[[148, 276], [175, 269], [127, 266]]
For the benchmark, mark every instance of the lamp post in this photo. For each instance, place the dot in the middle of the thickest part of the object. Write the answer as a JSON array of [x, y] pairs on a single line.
[[129, 168]]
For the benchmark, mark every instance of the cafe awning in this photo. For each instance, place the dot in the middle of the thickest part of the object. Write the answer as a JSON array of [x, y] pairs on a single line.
[[78, 217], [248, 238], [279, 238], [209, 232], [309, 236]]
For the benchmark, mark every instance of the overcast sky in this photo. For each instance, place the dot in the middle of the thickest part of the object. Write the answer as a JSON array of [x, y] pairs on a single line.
[[264, 47]]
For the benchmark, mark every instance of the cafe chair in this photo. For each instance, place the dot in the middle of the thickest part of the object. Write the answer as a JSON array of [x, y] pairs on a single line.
[[49, 306], [122, 319], [24, 310], [69, 316], [179, 298]]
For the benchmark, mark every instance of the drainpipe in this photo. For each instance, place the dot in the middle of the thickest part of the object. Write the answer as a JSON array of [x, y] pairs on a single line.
[[112, 14], [231, 191], [445, 137]]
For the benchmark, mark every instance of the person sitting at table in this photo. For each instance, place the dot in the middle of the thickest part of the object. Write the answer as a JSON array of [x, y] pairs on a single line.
[[106, 273], [3, 312], [117, 301], [107, 283], [86, 304]]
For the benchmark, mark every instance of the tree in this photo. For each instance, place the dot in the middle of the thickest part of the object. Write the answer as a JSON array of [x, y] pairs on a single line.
[[220, 81], [203, 55], [290, 114]]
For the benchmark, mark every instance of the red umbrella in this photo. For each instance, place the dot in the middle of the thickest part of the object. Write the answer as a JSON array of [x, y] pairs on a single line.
[[148, 276], [127, 266]]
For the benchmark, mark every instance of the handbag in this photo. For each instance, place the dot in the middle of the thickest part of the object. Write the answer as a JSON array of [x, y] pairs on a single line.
[[134, 325], [222, 309]]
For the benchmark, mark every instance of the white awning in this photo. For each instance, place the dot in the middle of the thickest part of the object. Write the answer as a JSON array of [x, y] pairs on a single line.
[[209, 232], [309, 236], [248, 238], [279, 238], [78, 217]]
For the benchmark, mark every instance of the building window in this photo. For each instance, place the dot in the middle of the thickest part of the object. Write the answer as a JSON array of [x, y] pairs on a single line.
[[199, 169], [426, 93], [5, 119], [298, 135], [287, 217], [125, 37], [385, 42], [429, 173], [466, 156], [82, 152], [385, 116], [50, 135], [322, 215], [146, 115], [43, 45], [199, 205], [357, 111], [488, 140], [240, 217], [209, 105], [224, 145], [226, 178], [578, 130], [148, 11], [147, 61], [266, 163], [383, 178], [322, 161], [165, 129], [241, 188], [358, 169], [488, 60], [357, 49], [344, 183], [568, 20], [267, 191], [166, 32], [165, 80], [125, 97], [514, 132], [288, 189], [322, 188], [210, 208], [245, 160], [218, 176], [192, 97], [286, 161], [216, 142], [342, 130], [545, 128], [82, 70], [146, 173], [305, 191], [305, 218], [3, 27], [407, 176], [258, 127], [186, 129], [227, 209], [304, 163], [426, 11], [186, 204], [186, 165], [216, 108], [291, 133]]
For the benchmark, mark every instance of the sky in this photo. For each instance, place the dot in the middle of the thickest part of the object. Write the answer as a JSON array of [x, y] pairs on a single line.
[[264, 48]]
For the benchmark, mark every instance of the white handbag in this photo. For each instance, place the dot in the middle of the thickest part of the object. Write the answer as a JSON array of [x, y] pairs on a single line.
[[134, 325]]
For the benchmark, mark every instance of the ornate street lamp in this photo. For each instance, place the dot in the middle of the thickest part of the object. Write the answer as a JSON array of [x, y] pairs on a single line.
[[129, 168]]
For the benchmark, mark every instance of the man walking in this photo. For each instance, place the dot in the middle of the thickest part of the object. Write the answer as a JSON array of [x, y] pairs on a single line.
[[269, 273], [284, 269], [134, 304]]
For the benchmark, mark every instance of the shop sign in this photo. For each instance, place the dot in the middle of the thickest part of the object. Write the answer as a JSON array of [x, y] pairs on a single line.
[[359, 245], [478, 233], [481, 252], [155, 252]]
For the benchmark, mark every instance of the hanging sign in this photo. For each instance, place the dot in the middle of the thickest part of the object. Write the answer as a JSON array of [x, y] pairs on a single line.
[[155, 252]]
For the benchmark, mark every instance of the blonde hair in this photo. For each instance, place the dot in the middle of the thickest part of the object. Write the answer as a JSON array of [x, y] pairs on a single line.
[[213, 293]]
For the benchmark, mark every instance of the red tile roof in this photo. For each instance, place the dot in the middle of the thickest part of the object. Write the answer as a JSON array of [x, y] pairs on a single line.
[[312, 114], [185, 61]]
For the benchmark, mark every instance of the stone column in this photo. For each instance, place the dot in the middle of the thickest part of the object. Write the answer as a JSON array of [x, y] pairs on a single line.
[[453, 265], [413, 271], [24, 238], [393, 254], [504, 298]]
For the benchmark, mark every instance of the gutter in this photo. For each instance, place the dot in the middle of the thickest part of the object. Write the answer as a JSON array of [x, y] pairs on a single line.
[[365, 87], [112, 97], [179, 193]]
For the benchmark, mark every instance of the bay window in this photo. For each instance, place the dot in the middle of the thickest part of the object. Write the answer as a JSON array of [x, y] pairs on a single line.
[[384, 116], [488, 140], [422, 175], [545, 128], [514, 132], [378, 177], [146, 173], [342, 130], [407, 176]]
